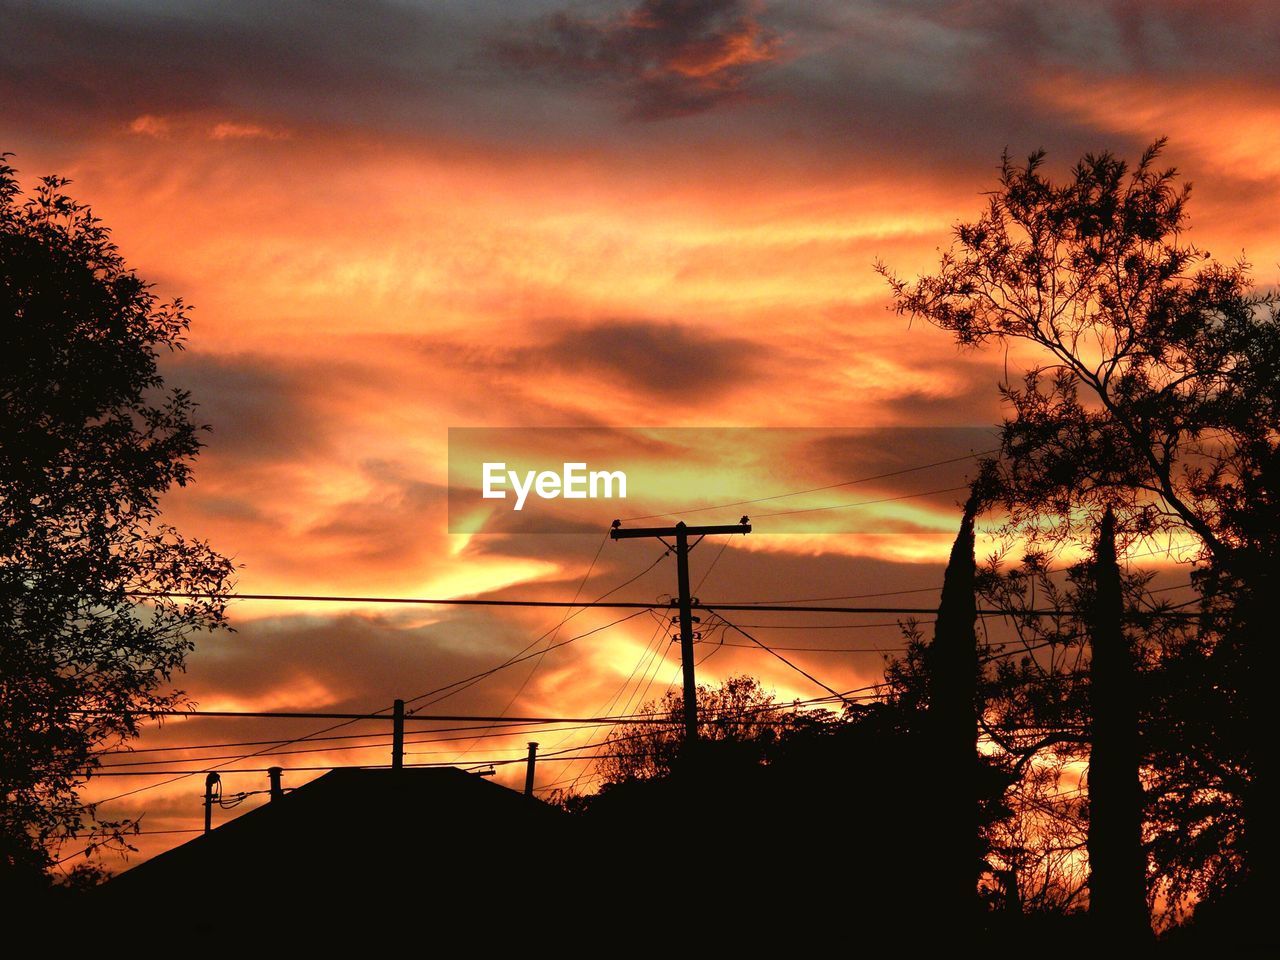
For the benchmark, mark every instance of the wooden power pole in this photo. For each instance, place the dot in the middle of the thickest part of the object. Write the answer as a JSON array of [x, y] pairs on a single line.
[[681, 533]]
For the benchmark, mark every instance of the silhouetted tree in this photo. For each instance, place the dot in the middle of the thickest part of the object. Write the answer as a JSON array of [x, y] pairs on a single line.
[[739, 721], [1117, 861], [1040, 715], [1159, 393], [89, 440], [952, 661]]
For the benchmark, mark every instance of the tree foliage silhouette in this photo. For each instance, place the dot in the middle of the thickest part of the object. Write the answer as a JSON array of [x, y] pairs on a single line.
[[738, 720], [846, 802], [1118, 863], [90, 438], [952, 723], [1161, 385], [1156, 393]]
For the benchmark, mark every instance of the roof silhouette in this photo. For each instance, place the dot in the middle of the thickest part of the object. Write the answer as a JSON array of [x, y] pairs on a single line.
[[350, 833]]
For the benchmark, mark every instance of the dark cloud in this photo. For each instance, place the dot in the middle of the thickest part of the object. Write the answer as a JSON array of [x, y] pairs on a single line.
[[257, 410], [977, 401], [664, 58], [943, 87], [902, 84], [354, 657], [652, 357], [82, 64]]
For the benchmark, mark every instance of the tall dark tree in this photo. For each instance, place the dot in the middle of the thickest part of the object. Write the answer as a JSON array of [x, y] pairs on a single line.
[[90, 438], [952, 661], [1117, 861], [1159, 391]]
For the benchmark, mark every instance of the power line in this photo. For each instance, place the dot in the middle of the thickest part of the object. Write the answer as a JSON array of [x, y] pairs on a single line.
[[655, 643], [438, 765], [551, 644], [629, 605], [461, 685], [345, 721], [850, 596], [639, 719], [430, 765], [128, 751], [747, 646], [551, 641], [511, 662], [327, 749], [797, 669], [863, 503], [609, 720], [830, 486], [829, 626], [289, 715]]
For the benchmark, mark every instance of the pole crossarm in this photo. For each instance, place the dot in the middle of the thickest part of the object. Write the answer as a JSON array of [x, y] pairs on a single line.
[[630, 533]]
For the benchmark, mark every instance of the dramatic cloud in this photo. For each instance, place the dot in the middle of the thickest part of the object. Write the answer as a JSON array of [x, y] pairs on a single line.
[[661, 359], [665, 58]]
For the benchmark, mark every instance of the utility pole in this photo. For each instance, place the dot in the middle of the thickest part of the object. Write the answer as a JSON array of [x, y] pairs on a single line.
[[277, 791], [212, 788], [681, 533], [397, 736], [529, 768]]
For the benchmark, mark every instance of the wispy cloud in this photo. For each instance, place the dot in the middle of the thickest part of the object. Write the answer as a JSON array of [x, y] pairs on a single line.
[[149, 125], [162, 127], [231, 130]]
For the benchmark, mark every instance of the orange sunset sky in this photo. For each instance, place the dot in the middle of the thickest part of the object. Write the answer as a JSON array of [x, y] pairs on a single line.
[[393, 218]]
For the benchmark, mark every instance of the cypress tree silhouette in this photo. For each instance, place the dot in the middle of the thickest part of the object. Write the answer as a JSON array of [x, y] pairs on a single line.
[[1117, 861], [953, 727], [1250, 645]]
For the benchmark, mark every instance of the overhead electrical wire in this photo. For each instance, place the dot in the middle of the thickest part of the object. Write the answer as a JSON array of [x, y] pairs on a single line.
[[654, 644], [598, 602], [830, 486], [797, 669], [349, 720], [660, 635], [862, 503], [567, 617]]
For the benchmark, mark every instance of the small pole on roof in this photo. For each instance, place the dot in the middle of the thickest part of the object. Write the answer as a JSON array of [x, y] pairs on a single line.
[[277, 791], [530, 765], [212, 791], [397, 737]]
